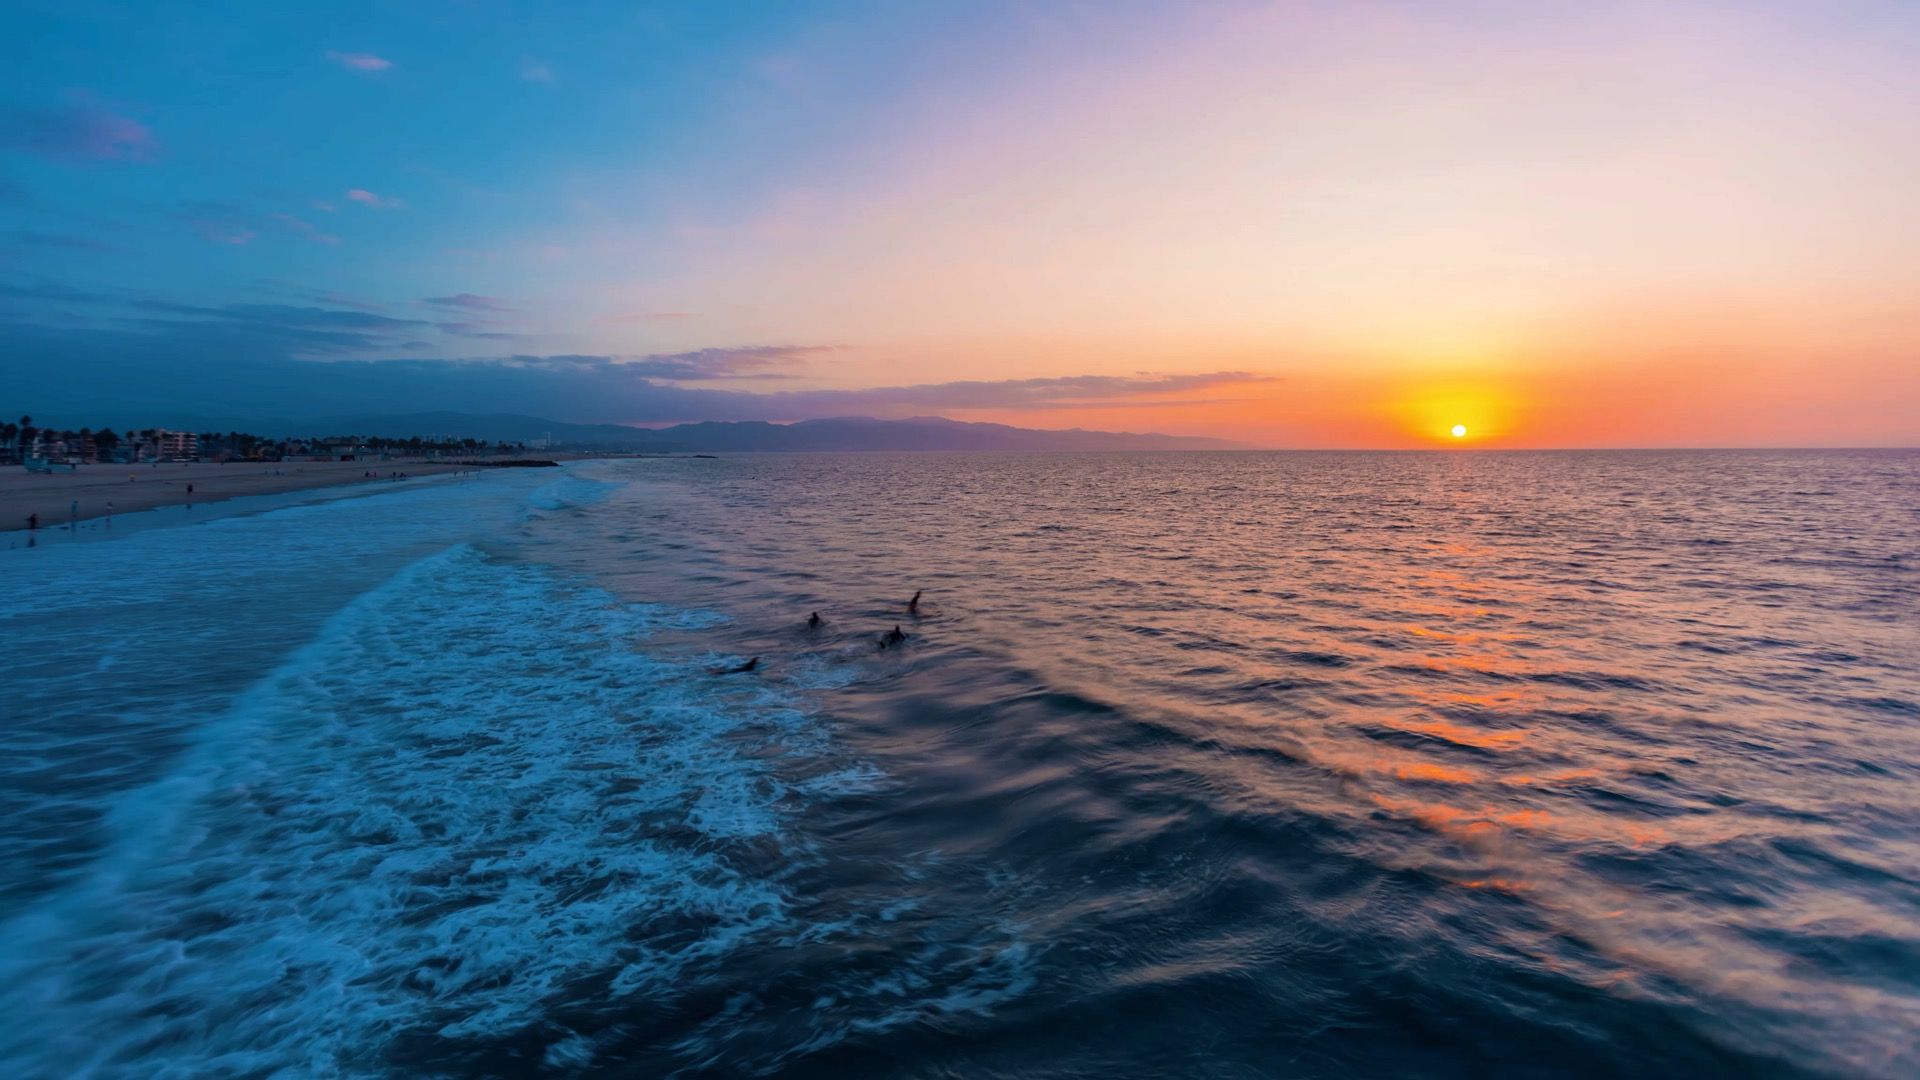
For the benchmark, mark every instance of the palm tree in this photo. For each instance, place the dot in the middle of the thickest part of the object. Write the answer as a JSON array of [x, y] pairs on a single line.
[[27, 432]]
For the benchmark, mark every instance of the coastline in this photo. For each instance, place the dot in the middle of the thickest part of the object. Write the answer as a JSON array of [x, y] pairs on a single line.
[[130, 488]]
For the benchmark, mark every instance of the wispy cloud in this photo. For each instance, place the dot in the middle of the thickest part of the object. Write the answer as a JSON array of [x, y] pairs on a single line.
[[77, 131], [478, 330], [288, 317], [227, 234], [748, 361], [306, 229], [363, 62], [1049, 392], [535, 70], [38, 291], [338, 299], [218, 222], [15, 239], [467, 302], [236, 225], [321, 296], [145, 352], [368, 198]]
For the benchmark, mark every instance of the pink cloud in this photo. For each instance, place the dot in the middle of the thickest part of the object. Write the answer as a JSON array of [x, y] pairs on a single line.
[[368, 198], [359, 61]]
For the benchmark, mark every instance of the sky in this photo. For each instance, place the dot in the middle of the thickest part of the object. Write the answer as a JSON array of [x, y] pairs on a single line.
[[1290, 224]]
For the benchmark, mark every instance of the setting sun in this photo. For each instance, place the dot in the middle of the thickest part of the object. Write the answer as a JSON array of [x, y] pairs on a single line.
[[1459, 431]]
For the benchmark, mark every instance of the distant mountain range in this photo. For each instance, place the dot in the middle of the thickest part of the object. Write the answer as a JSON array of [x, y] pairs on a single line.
[[838, 433]]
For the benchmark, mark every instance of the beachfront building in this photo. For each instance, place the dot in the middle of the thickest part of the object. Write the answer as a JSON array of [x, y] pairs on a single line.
[[176, 445]]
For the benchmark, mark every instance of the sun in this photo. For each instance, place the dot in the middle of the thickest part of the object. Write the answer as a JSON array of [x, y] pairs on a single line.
[[1459, 431]]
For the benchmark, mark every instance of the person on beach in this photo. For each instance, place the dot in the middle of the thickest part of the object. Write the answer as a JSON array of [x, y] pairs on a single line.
[[33, 522]]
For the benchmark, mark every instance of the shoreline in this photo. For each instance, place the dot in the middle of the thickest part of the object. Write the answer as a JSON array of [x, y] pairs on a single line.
[[99, 490]]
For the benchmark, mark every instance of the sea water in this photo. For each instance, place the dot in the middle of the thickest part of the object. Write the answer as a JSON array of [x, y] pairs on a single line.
[[1191, 764]]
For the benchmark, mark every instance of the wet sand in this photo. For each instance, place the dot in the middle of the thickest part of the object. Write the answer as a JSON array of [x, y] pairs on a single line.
[[127, 488]]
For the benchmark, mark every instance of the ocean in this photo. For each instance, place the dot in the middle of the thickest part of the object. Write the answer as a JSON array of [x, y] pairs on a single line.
[[1235, 764]]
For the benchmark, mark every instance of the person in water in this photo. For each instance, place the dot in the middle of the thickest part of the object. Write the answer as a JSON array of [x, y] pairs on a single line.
[[913, 605], [738, 669], [813, 621], [892, 637]]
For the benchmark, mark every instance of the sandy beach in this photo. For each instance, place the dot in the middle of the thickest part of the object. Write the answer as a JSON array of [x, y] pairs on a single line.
[[95, 491]]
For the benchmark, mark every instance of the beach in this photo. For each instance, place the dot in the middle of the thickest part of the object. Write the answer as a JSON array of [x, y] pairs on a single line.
[[94, 491]]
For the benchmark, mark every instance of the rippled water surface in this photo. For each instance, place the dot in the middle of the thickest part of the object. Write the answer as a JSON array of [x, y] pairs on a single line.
[[1191, 764]]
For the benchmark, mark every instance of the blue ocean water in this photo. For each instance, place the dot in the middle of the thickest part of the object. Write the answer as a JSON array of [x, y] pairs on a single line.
[[1191, 764]]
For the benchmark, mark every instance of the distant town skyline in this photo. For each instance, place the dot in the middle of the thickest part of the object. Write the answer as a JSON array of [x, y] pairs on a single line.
[[1287, 224]]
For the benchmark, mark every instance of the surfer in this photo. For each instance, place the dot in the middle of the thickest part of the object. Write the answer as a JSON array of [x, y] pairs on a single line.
[[738, 669], [813, 621], [892, 637], [913, 605]]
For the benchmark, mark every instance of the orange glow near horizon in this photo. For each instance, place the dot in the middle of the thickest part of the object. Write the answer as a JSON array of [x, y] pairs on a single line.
[[1424, 225], [1733, 394]]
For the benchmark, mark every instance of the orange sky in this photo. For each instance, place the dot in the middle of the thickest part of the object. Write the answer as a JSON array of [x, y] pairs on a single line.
[[1637, 225]]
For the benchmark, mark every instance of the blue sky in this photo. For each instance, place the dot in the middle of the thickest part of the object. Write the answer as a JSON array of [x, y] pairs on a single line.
[[1295, 223], [479, 133], [199, 200]]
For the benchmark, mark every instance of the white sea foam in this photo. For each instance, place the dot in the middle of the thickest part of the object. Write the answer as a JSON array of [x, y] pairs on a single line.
[[464, 811], [467, 795]]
